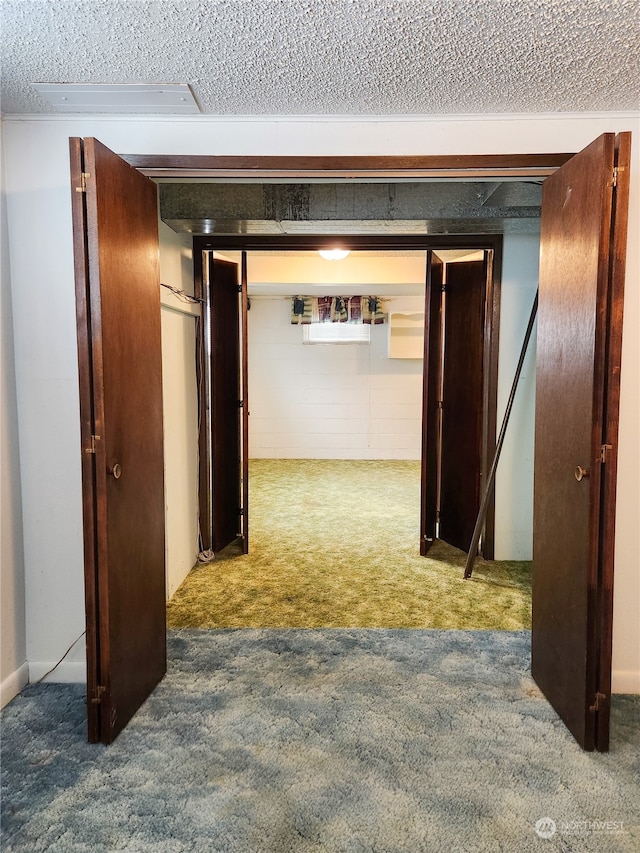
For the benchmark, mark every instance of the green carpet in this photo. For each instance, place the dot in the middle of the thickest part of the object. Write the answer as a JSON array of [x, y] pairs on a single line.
[[335, 544]]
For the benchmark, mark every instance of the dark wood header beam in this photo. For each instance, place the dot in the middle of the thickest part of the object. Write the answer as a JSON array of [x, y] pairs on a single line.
[[367, 242], [449, 166]]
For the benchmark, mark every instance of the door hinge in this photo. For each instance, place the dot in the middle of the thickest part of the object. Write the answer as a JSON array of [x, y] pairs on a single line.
[[83, 181], [100, 691], [616, 174], [439, 404], [604, 452], [240, 403], [92, 445], [437, 515], [600, 697]]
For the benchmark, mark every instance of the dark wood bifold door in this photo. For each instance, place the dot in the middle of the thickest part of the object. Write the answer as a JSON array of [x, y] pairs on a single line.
[[431, 410], [455, 347], [223, 401], [115, 221], [582, 251], [226, 402], [244, 390], [462, 410]]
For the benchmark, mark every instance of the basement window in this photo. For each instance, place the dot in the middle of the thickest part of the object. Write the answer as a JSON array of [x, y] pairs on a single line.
[[336, 333]]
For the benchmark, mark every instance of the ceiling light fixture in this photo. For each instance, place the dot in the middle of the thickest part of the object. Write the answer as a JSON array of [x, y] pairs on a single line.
[[333, 254]]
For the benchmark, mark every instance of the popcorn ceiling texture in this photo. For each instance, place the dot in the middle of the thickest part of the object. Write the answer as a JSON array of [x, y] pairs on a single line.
[[356, 57]]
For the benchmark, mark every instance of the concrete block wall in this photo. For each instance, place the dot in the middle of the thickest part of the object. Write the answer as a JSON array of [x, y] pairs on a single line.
[[329, 401]]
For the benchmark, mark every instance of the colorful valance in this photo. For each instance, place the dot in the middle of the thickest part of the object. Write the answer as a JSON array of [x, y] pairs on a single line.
[[337, 309]]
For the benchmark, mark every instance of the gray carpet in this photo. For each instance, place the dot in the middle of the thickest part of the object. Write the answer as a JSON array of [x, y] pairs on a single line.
[[322, 740]]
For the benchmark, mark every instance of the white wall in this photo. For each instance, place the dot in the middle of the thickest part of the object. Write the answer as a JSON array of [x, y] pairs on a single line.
[[514, 476], [13, 646], [180, 404], [44, 317], [329, 401]]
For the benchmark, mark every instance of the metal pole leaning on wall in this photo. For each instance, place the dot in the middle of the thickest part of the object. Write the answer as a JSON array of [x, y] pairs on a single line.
[[482, 514]]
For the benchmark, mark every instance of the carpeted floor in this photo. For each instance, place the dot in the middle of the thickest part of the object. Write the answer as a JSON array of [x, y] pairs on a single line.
[[335, 544], [344, 741]]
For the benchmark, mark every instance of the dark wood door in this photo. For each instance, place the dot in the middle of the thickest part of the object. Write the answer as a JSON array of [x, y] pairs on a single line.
[[225, 402], [582, 251], [431, 402], [462, 407], [115, 222], [244, 332]]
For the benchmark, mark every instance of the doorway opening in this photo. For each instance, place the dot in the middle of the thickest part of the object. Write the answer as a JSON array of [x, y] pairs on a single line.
[[273, 379]]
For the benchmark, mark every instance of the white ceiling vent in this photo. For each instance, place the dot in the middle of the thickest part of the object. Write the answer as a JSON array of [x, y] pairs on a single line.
[[119, 98]]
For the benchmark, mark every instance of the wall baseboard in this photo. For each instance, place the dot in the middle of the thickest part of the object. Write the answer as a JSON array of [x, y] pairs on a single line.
[[625, 681], [13, 684], [67, 672]]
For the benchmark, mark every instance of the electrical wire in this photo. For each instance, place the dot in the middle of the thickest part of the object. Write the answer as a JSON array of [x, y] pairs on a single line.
[[183, 296], [55, 666]]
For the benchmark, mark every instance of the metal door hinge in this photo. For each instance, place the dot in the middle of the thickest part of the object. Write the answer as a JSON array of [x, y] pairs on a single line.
[[600, 697], [83, 178], [616, 173], [92, 445], [439, 404], [604, 452], [100, 691], [240, 403], [438, 515]]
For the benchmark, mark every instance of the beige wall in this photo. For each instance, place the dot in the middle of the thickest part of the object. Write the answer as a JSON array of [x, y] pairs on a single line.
[[44, 320], [13, 651], [180, 408]]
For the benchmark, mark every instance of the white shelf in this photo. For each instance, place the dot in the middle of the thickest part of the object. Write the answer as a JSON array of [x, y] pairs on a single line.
[[406, 335]]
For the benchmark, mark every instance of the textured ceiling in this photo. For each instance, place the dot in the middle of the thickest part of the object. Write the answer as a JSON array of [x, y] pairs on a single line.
[[357, 57]]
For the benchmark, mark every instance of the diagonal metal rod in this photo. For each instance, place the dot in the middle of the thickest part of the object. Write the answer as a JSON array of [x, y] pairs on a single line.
[[477, 531]]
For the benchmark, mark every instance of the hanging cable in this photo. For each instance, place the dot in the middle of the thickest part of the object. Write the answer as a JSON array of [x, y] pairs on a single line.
[[55, 666], [183, 296]]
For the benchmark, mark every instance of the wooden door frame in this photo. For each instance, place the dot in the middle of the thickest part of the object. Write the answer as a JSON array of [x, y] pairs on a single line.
[[491, 243], [351, 167]]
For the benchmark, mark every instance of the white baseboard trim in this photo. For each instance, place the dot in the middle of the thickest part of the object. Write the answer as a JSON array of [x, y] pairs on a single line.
[[625, 681], [67, 672], [13, 684]]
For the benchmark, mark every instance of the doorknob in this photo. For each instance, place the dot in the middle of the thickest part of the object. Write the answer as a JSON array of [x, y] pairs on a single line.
[[116, 471], [581, 473]]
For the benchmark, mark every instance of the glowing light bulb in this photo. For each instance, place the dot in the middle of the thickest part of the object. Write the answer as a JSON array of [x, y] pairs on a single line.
[[333, 254]]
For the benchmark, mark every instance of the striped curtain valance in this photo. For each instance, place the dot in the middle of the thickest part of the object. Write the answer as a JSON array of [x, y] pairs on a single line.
[[337, 309]]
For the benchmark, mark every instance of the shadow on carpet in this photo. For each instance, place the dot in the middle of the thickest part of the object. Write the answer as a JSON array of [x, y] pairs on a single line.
[[322, 740]]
